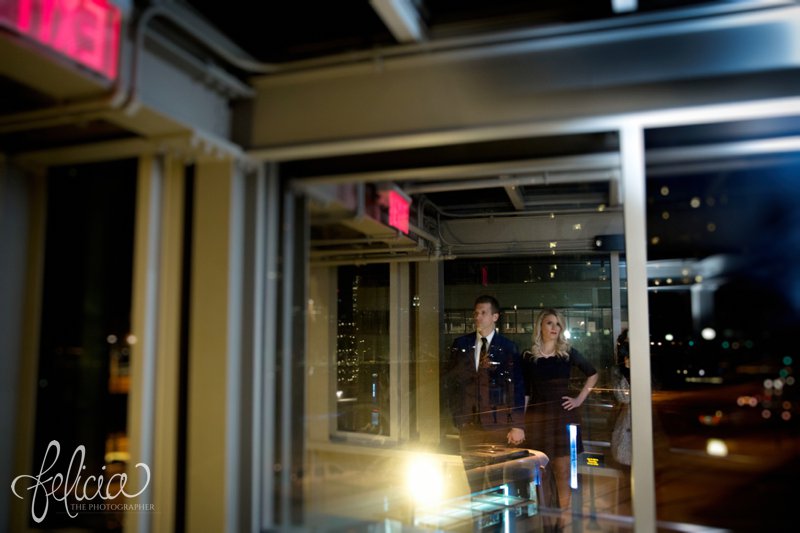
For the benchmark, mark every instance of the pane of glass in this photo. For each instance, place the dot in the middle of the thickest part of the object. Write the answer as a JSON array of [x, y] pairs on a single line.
[[724, 244], [531, 247], [84, 355], [362, 349]]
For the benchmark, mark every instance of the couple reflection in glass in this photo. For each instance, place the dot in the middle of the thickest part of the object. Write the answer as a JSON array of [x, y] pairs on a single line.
[[504, 398]]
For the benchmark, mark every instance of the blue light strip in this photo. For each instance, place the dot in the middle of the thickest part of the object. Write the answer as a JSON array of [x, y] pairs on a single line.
[[506, 512], [573, 455]]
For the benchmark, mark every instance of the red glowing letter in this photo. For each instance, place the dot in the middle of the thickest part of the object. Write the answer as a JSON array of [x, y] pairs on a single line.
[[86, 31]]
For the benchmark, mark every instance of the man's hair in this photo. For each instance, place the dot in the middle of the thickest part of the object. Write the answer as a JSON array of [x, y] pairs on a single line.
[[488, 299]]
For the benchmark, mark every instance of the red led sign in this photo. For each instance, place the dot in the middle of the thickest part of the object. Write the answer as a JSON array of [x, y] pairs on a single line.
[[86, 31], [398, 211]]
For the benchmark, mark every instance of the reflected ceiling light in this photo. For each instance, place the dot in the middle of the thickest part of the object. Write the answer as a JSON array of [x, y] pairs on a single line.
[[708, 334], [402, 19], [624, 6]]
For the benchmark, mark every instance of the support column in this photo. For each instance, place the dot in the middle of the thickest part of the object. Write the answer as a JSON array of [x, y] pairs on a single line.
[[321, 357], [633, 174], [214, 368], [429, 320], [22, 232], [399, 351], [153, 419]]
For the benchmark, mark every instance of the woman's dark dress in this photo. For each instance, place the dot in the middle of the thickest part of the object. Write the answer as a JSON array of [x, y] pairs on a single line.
[[547, 381]]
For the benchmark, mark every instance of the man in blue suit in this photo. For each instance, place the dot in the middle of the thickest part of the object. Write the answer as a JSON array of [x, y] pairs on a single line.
[[488, 396]]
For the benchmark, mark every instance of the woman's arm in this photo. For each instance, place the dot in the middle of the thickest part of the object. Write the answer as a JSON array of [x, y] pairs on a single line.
[[571, 403]]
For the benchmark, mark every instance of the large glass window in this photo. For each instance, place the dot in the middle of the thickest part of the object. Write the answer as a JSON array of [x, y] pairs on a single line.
[[84, 356], [387, 307], [723, 250]]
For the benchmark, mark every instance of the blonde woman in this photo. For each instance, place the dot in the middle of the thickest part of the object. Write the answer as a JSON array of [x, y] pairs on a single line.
[[553, 405]]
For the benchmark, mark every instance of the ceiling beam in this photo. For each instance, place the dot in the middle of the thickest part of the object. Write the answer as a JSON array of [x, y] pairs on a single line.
[[516, 198], [402, 19]]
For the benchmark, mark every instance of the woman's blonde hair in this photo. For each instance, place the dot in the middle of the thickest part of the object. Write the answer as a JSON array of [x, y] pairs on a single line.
[[562, 344]]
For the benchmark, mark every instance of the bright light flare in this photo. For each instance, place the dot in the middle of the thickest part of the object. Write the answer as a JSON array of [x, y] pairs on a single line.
[[424, 480], [716, 448]]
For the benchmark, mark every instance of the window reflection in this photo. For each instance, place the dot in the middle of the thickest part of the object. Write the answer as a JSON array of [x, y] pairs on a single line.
[[724, 309], [362, 349], [580, 288]]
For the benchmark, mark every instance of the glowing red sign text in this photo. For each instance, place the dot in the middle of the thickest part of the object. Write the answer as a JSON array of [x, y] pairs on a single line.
[[398, 211], [86, 31]]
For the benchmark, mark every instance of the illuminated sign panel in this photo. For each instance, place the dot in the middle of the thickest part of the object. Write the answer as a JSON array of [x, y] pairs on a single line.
[[86, 31], [398, 211]]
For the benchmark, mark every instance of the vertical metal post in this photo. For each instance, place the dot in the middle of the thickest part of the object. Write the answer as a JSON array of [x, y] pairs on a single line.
[[285, 489], [272, 203], [145, 316], [635, 215], [292, 438], [616, 295]]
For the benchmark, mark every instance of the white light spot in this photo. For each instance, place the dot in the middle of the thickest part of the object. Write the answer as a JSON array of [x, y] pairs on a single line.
[[708, 334], [716, 447]]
